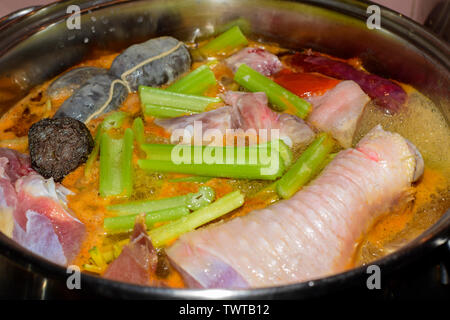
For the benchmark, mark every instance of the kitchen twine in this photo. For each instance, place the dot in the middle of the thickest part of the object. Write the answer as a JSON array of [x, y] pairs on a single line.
[[123, 76]]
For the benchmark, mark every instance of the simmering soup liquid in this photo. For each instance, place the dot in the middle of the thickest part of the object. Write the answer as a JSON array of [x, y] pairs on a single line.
[[424, 125], [420, 121]]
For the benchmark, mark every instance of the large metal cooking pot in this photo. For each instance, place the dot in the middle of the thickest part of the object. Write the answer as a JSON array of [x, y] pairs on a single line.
[[38, 45]]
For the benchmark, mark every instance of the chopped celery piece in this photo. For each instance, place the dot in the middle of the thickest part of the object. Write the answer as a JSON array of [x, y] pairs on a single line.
[[97, 257], [94, 154], [112, 121], [204, 196], [127, 162], [166, 152], [116, 164], [157, 151], [138, 129], [242, 23], [92, 268], [197, 82], [327, 161], [236, 171], [231, 162], [164, 112], [285, 153], [306, 166], [126, 223], [278, 96], [110, 166], [225, 43], [160, 97], [161, 235]]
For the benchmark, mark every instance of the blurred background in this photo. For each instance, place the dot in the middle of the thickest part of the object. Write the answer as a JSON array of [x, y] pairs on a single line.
[[417, 10]]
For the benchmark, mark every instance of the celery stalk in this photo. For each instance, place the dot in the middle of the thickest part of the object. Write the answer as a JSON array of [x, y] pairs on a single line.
[[306, 166], [127, 162], [116, 165], [197, 82], [94, 154], [110, 175], [164, 112], [160, 236], [165, 151], [278, 96], [225, 43], [126, 223], [250, 162], [193, 201], [112, 121], [160, 97], [236, 171], [242, 23], [138, 129]]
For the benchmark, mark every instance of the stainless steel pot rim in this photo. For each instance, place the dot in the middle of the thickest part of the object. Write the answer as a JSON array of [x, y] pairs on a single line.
[[393, 20], [431, 238]]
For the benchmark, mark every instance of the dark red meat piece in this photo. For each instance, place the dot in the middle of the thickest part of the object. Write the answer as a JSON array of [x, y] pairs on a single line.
[[138, 259], [387, 94]]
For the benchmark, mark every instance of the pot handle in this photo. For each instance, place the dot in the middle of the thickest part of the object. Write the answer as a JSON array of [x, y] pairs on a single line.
[[17, 15]]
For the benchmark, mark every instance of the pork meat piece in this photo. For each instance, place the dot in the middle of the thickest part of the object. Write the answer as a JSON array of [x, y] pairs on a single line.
[[138, 259], [13, 165], [245, 111], [42, 221], [338, 111], [258, 59]]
